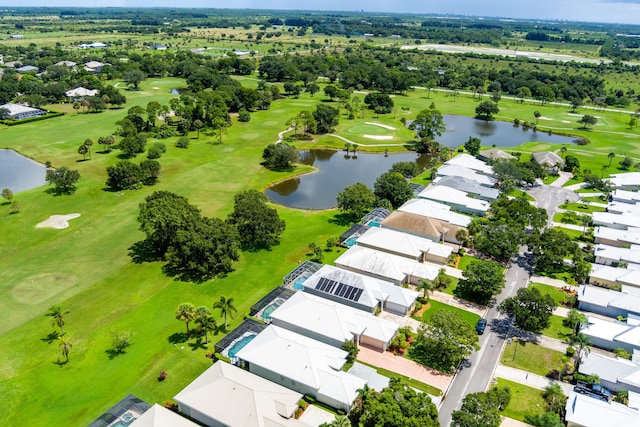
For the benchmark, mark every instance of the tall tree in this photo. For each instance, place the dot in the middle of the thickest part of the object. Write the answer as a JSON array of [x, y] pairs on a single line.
[[134, 77], [63, 178], [226, 307], [259, 226], [530, 309], [482, 409], [393, 187], [611, 156], [7, 194], [486, 109], [575, 319], [82, 149], [88, 143], [356, 199], [57, 316], [554, 398], [482, 280], [326, 118], [428, 125], [445, 342], [472, 145], [587, 120], [280, 156], [186, 312]]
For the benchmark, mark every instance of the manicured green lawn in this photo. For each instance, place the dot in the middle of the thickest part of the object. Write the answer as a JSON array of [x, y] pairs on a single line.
[[436, 306], [524, 400], [558, 296], [519, 193], [452, 285], [465, 261], [574, 234], [579, 207], [556, 328], [531, 357]]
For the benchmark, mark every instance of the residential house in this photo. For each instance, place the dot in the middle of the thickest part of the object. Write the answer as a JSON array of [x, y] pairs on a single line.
[[159, 416], [333, 323], [439, 211], [68, 64], [405, 245], [614, 277], [225, 395], [19, 112], [468, 161], [494, 154], [457, 199], [472, 188], [27, 69], [612, 255], [586, 411], [625, 181], [625, 196], [302, 364], [93, 66], [609, 303], [615, 373], [424, 226], [360, 291], [621, 208], [617, 237], [611, 220], [549, 160], [613, 335], [94, 45], [80, 92], [385, 266], [470, 174], [157, 46]]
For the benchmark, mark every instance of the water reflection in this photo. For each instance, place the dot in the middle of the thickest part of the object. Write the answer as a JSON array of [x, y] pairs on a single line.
[[19, 173]]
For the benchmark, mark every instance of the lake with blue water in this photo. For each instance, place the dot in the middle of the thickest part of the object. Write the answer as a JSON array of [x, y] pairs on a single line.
[[19, 173]]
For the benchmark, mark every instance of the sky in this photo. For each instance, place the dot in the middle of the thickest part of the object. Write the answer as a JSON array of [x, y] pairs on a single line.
[[616, 11]]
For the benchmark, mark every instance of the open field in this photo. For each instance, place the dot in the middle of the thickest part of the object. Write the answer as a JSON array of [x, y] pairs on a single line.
[[435, 306], [524, 400], [531, 357]]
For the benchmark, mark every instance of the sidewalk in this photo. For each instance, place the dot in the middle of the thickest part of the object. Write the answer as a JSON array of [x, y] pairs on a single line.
[[557, 283], [529, 378], [458, 302], [453, 272], [569, 226], [510, 422], [552, 343], [562, 179]]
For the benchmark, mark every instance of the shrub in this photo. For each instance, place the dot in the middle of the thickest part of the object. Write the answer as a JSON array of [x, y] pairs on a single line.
[[418, 306], [153, 153], [571, 351], [183, 142], [244, 116], [171, 405], [162, 375]]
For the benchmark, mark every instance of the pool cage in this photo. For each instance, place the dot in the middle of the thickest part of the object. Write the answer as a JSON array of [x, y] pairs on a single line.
[[355, 231], [305, 267], [376, 215], [416, 188], [247, 325], [127, 410], [278, 293]]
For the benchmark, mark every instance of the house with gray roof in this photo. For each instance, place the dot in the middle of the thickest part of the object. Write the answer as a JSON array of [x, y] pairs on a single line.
[[548, 159], [494, 154], [27, 69], [405, 245], [608, 302], [615, 373], [586, 411], [470, 174], [18, 112], [457, 199], [468, 186]]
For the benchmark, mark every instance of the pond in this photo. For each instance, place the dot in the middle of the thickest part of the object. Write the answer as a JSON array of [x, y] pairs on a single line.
[[19, 173], [500, 134], [336, 170]]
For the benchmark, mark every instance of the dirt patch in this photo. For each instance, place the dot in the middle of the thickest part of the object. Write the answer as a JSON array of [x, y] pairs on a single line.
[[41, 287], [57, 221]]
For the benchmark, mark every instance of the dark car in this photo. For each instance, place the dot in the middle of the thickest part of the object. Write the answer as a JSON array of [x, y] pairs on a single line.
[[480, 326]]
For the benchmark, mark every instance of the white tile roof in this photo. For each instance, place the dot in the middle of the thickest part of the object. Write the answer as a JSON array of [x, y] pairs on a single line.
[[612, 369], [623, 208], [615, 274], [383, 264], [470, 162], [303, 360], [333, 320], [432, 209], [604, 330], [470, 174], [374, 290], [625, 196], [403, 244], [18, 109], [80, 91], [450, 195], [237, 397], [159, 416], [623, 221], [587, 411], [630, 235], [547, 157], [625, 179], [630, 255]]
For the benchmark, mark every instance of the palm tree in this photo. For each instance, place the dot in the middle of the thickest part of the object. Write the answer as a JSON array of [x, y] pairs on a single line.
[[583, 342], [611, 156], [576, 320], [186, 312], [88, 143], [207, 324], [563, 151], [57, 315], [427, 287], [340, 421], [554, 398], [226, 307], [66, 346], [537, 115], [203, 316]]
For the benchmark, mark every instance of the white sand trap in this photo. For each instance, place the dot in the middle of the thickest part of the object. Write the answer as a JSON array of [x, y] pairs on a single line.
[[58, 221], [155, 87], [381, 125], [379, 137], [580, 115], [545, 118], [565, 121]]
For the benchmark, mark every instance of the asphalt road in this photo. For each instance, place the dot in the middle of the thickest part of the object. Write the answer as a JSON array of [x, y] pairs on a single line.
[[476, 373], [550, 198]]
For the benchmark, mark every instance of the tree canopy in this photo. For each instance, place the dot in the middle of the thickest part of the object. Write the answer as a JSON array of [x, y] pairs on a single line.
[[428, 124], [259, 226], [472, 145], [482, 280], [280, 156], [530, 309], [64, 179], [445, 342], [326, 118], [393, 187], [380, 102], [356, 199], [482, 409], [486, 109]]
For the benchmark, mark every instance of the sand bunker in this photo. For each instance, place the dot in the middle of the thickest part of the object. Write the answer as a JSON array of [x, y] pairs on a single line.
[[58, 221], [379, 137], [566, 121], [545, 118], [381, 125]]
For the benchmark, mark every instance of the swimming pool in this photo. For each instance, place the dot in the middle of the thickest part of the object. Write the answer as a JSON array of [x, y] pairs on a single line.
[[266, 313], [299, 281], [350, 241], [374, 223], [239, 345]]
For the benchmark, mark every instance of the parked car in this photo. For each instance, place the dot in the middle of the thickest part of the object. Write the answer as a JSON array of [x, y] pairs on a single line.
[[480, 326]]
